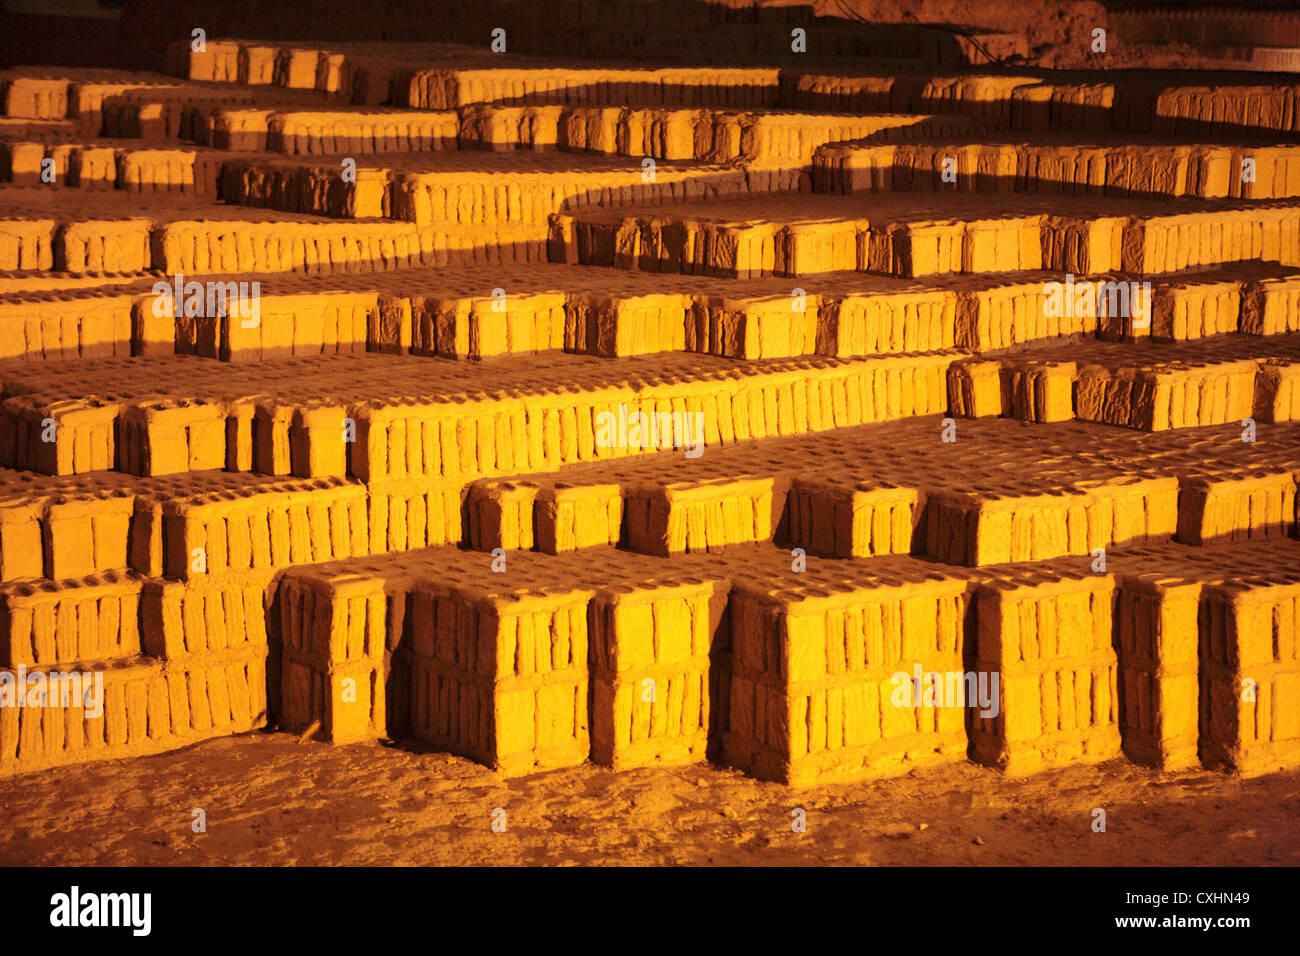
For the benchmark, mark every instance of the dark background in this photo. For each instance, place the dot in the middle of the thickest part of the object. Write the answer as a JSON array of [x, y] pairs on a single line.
[[132, 34]]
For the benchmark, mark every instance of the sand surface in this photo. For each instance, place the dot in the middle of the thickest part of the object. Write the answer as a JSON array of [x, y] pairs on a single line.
[[272, 801]]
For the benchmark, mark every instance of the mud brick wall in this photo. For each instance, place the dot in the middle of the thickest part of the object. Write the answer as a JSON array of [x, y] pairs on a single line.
[[500, 515], [148, 707], [126, 167], [986, 97], [35, 98], [1233, 508], [1172, 243], [1250, 678], [1209, 27], [83, 432], [287, 325], [650, 657], [482, 197], [168, 171], [867, 324], [1270, 306], [511, 127], [789, 140], [983, 97], [477, 328], [753, 329], [409, 513], [1191, 310], [62, 326], [975, 388], [845, 94], [1277, 392], [358, 133], [190, 619], [508, 436], [103, 246], [681, 518], [916, 250], [1051, 643], [1068, 106], [333, 320], [1156, 640], [1225, 109], [502, 681], [618, 326], [1154, 399], [982, 529], [168, 437], [1201, 171], [314, 190], [572, 518], [43, 623], [195, 247], [1038, 391], [765, 247], [811, 681], [308, 521], [27, 245], [836, 519], [1009, 314], [57, 538], [333, 635]]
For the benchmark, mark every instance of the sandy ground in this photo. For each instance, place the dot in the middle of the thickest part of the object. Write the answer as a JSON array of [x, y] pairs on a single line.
[[271, 800]]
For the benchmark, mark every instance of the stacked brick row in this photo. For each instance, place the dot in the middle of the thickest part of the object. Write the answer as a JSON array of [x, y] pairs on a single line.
[[115, 665], [737, 243], [1049, 639], [1069, 169], [449, 437], [811, 686], [1033, 104], [327, 317]]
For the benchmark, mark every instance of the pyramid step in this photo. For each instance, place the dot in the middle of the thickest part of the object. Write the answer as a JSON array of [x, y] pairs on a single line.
[[114, 164], [1058, 165], [484, 312], [1213, 381], [55, 93], [897, 234], [167, 415], [359, 73], [986, 97], [977, 507], [781, 138], [450, 88], [344, 132], [470, 188], [50, 131], [122, 232], [135, 707]]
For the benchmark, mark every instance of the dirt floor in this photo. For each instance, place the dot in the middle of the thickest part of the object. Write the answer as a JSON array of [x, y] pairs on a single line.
[[270, 800]]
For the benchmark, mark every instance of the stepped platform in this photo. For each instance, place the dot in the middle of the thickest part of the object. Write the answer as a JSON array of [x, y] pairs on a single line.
[[647, 413], [895, 234], [1063, 163]]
